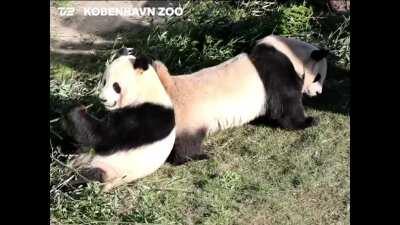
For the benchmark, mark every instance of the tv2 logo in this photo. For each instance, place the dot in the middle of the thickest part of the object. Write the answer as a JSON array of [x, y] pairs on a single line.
[[66, 11]]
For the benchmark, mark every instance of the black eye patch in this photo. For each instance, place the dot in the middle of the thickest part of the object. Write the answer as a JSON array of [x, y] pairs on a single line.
[[104, 82], [117, 88], [317, 78]]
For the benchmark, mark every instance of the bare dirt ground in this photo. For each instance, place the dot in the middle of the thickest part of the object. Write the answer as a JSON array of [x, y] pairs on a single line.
[[79, 34]]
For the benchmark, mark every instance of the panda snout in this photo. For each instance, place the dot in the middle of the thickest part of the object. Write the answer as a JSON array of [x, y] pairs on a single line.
[[318, 90]]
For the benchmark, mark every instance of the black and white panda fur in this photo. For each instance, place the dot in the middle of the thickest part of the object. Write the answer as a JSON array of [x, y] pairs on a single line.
[[136, 136], [239, 90], [309, 61]]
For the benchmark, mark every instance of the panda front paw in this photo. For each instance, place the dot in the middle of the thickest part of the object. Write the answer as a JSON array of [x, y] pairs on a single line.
[[74, 123], [71, 118], [76, 111]]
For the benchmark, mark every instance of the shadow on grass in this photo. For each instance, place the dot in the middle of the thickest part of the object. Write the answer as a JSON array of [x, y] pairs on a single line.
[[187, 45], [85, 63], [336, 93]]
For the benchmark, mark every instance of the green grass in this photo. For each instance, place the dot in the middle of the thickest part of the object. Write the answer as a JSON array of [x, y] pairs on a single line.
[[256, 175], [61, 3]]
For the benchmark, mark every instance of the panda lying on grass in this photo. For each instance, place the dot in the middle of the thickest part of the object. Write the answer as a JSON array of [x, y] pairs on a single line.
[[268, 82], [135, 137]]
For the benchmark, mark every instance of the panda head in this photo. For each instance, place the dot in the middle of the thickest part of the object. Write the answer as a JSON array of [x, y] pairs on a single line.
[[131, 80], [308, 60], [315, 69]]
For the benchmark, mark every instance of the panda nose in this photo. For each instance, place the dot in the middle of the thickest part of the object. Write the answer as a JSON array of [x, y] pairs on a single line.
[[103, 100]]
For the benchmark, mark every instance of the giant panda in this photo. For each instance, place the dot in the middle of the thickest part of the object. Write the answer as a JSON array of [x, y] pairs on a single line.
[[267, 82], [136, 135]]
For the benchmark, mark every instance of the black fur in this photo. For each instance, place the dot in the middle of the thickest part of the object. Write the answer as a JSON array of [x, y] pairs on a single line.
[[86, 175], [283, 88], [317, 78], [187, 147], [284, 102], [121, 129], [142, 62], [319, 54], [116, 87], [126, 51]]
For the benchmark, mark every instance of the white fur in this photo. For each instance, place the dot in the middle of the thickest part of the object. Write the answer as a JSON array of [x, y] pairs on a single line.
[[226, 95], [126, 166], [137, 86], [239, 108]]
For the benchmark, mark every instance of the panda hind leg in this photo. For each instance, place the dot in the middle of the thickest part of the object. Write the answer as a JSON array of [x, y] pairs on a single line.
[[188, 148], [97, 174], [177, 157], [86, 175], [293, 117], [181, 155], [291, 123]]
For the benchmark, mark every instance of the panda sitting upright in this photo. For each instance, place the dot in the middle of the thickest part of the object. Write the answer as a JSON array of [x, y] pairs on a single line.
[[136, 136], [268, 82]]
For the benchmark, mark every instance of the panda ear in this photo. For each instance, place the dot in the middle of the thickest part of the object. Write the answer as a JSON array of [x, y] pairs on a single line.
[[126, 51], [319, 54], [142, 63]]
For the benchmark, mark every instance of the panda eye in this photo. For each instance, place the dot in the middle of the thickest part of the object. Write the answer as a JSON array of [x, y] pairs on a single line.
[[317, 78], [117, 88], [104, 82]]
